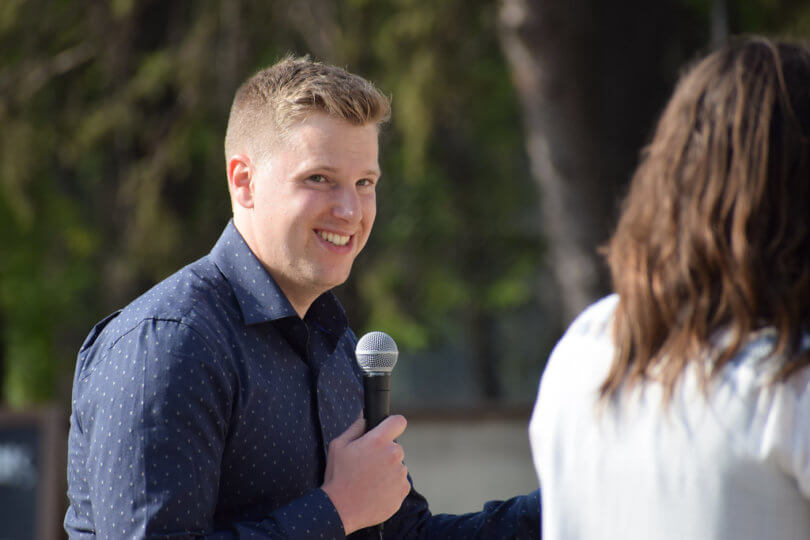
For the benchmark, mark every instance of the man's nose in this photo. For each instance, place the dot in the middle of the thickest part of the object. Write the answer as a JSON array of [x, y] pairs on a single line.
[[347, 204]]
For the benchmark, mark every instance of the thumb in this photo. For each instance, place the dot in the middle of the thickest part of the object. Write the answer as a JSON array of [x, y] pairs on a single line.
[[352, 432]]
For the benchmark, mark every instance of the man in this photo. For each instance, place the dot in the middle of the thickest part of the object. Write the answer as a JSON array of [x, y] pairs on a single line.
[[225, 401]]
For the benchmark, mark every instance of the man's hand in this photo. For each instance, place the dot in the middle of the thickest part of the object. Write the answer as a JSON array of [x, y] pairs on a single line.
[[365, 477]]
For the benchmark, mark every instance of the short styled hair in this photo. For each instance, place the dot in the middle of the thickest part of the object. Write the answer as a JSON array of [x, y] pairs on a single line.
[[269, 103], [715, 232]]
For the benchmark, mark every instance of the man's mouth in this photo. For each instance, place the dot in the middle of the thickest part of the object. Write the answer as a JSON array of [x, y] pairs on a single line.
[[332, 238]]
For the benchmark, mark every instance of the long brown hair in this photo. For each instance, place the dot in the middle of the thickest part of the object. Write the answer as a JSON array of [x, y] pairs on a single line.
[[715, 231]]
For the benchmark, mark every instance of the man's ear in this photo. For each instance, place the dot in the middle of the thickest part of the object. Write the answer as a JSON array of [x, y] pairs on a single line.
[[240, 180]]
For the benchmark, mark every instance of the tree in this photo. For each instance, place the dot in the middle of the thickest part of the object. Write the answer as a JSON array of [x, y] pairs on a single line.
[[590, 77]]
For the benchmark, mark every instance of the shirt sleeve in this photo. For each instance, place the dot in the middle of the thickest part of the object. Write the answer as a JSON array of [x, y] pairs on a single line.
[[782, 429], [153, 410], [802, 455], [516, 518]]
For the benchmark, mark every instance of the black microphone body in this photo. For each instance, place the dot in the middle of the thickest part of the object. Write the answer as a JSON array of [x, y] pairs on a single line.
[[377, 398]]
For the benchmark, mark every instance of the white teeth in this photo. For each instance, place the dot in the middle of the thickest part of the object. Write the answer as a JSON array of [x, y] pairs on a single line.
[[337, 239]]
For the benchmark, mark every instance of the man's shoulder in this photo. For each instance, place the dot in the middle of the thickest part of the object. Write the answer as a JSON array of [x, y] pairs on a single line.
[[196, 297], [194, 290]]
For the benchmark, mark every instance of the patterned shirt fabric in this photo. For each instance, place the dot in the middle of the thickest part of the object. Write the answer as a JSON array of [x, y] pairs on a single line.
[[731, 463], [204, 410]]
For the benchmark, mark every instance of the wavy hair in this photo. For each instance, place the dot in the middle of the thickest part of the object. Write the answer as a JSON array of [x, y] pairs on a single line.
[[715, 231]]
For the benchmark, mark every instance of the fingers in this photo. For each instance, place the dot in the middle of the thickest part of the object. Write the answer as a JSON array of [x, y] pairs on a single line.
[[398, 454], [383, 439], [353, 432], [390, 428], [365, 476], [405, 484]]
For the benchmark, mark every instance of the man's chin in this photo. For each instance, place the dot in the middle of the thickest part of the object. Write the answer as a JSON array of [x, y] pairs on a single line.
[[329, 280], [338, 282]]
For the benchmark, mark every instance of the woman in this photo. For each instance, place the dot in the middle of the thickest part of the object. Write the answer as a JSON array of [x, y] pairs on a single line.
[[679, 407]]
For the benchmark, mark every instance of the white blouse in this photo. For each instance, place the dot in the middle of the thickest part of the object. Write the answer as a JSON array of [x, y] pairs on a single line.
[[733, 465]]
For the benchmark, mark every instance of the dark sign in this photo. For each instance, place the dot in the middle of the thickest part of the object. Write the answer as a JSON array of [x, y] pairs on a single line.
[[32, 488]]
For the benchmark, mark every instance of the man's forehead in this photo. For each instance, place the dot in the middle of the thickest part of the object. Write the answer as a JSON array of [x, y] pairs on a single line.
[[272, 133], [326, 131], [326, 144]]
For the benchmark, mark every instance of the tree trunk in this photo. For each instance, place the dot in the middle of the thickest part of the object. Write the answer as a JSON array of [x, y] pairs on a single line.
[[719, 22], [589, 76]]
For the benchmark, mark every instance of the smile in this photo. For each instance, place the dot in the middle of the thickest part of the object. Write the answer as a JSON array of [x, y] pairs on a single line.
[[332, 238]]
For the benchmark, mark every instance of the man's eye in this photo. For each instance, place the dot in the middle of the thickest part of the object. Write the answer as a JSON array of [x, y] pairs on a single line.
[[365, 182], [317, 179]]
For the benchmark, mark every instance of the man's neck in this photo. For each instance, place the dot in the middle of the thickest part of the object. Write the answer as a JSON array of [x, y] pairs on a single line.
[[299, 299]]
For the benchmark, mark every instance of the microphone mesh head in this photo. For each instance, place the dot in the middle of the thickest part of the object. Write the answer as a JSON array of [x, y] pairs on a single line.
[[376, 353]]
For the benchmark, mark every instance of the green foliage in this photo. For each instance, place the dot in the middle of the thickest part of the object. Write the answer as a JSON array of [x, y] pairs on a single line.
[[112, 171], [103, 122], [112, 176], [789, 18], [785, 17], [455, 231]]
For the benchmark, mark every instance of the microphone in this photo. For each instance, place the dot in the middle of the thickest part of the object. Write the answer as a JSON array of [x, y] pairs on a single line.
[[376, 354]]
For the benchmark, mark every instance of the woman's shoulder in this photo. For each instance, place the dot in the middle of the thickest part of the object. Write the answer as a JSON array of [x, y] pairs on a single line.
[[585, 350], [596, 320]]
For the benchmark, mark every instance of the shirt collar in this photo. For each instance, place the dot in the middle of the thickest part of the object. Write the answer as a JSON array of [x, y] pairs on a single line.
[[259, 296]]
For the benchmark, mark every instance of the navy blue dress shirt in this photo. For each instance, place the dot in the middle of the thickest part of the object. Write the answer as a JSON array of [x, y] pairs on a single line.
[[205, 407]]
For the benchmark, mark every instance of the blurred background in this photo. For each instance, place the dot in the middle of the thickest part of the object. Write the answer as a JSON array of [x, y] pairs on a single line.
[[516, 126]]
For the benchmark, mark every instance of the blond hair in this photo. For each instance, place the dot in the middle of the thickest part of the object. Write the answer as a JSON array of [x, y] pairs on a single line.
[[715, 232], [269, 103]]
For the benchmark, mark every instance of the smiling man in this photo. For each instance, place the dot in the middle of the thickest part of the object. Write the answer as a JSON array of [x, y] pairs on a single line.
[[224, 402], [307, 211]]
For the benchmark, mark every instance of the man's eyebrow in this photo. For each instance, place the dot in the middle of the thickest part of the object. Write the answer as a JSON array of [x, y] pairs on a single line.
[[372, 172]]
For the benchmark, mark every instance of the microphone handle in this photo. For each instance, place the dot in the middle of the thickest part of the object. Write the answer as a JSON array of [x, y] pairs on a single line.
[[377, 406], [377, 398]]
